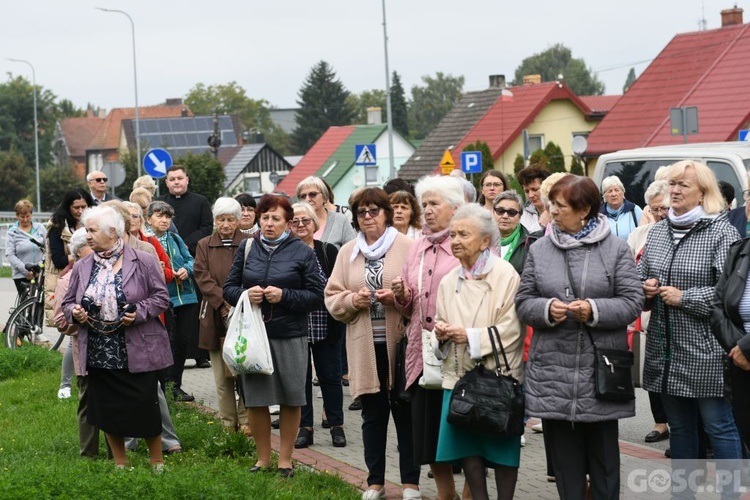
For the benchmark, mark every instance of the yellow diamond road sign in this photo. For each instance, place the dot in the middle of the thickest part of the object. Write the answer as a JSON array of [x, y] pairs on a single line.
[[447, 165]]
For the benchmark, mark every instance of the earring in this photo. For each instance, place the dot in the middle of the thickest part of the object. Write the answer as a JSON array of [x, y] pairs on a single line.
[[583, 222]]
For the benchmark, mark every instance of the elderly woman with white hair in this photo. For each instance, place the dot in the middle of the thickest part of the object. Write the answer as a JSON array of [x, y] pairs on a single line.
[[334, 228], [487, 286], [429, 259], [116, 302], [623, 215], [213, 259], [324, 339]]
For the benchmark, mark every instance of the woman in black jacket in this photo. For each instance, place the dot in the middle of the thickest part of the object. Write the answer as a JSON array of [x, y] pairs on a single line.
[[730, 323], [324, 339], [282, 276]]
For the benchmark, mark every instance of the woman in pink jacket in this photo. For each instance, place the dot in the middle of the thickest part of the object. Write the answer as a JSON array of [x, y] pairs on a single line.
[[432, 257]]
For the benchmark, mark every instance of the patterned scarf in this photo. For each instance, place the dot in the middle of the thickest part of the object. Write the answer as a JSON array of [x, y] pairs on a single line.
[[102, 290], [478, 269], [511, 242], [590, 226]]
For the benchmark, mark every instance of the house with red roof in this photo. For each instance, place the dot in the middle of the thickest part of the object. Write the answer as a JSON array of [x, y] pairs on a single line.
[[706, 69], [499, 116], [332, 158]]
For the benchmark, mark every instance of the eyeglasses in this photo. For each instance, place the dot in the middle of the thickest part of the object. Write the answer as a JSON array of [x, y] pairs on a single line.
[[99, 179], [746, 195], [512, 212], [301, 222], [312, 195], [659, 210], [493, 184], [374, 212], [135, 216]]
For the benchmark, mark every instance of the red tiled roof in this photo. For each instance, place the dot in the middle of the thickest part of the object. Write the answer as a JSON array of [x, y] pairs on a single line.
[[707, 69], [600, 104], [79, 132], [315, 157], [508, 116], [108, 136]]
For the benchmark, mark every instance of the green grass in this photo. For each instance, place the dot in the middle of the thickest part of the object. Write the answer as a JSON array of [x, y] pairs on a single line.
[[5, 272], [39, 450]]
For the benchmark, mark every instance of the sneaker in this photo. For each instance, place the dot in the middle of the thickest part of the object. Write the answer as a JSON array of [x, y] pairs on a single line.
[[523, 441], [537, 427], [63, 393]]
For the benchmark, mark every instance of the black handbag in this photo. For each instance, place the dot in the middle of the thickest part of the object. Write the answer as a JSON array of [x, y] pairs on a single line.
[[613, 375], [400, 394], [487, 401]]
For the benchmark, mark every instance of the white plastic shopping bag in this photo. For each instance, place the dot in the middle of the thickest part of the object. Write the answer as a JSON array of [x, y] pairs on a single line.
[[246, 349]]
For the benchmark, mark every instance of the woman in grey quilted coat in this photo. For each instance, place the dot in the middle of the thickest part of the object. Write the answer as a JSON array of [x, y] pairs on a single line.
[[580, 431], [680, 267]]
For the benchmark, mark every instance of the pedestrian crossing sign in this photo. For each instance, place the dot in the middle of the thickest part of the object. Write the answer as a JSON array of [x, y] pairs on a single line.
[[364, 154]]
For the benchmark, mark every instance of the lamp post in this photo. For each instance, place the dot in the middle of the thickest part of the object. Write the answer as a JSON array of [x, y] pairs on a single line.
[[135, 80], [36, 130], [389, 119]]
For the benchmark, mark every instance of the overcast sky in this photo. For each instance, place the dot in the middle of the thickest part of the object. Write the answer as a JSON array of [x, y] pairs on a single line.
[[268, 47]]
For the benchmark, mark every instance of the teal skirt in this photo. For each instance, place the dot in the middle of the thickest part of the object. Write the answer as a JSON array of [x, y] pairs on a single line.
[[456, 442]]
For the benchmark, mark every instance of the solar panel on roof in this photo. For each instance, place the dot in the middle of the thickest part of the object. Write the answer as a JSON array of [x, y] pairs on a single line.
[[189, 125]]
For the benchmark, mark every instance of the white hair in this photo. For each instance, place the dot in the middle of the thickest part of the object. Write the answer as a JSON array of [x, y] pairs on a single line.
[[90, 175], [227, 206], [308, 209], [107, 217], [511, 195], [77, 241], [610, 182], [313, 181], [448, 188], [470, 192], [135, 206], [655, 189], [482, 218]]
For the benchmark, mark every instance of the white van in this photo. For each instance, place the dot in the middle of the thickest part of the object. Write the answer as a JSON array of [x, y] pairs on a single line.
[[636, 167]]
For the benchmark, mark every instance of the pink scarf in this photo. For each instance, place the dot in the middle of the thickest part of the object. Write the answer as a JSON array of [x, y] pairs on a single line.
[[102, 291]]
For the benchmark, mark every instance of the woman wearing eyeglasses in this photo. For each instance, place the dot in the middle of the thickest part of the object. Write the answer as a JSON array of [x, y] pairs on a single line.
[[335, 228], [492, 183], [324, 338], [359, 294], [282, 276], [514, 239]]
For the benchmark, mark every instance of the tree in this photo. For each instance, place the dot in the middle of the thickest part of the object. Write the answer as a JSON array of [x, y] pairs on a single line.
[[232, 99], [399, 107], [129, 161], [576, 168], [14, 179], [558, 60], [555, 158], [54, 182], [518, 164], [374, 98], [538, 159], [430, 103], [323, 104], [206, 175], [629, 80]]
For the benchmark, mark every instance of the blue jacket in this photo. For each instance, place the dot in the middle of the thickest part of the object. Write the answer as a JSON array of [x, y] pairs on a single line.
[[293, 267], [146, 338], [626, 219], [179, 256]]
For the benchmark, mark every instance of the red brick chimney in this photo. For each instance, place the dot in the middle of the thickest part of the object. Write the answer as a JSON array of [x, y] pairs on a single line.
[[731, 17]]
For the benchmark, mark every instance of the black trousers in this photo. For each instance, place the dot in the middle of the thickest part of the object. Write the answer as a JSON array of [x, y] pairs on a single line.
[[184, 324], [741, 403], [657, 407], [376, 409], [584, 448]]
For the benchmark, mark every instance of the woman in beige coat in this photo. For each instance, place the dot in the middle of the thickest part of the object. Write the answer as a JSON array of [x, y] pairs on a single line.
[[478, 294], [359, 294]]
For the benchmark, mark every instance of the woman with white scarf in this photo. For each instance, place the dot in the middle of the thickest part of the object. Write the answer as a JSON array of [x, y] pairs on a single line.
[[680, 267], [359, 294]]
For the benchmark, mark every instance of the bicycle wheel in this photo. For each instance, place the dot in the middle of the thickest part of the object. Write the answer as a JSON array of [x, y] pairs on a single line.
[[26, 326]]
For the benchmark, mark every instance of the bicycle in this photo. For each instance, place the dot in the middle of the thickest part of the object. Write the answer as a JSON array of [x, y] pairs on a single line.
[[26, 323]]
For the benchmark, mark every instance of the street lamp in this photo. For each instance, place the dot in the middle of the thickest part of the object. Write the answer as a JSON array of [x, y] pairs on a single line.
[[135, 80], [36, 130], [389, 119]]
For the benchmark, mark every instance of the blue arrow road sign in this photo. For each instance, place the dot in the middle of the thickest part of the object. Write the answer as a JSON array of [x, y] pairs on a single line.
[[156, 162], [471, 162], [744, 135], [364, 154]]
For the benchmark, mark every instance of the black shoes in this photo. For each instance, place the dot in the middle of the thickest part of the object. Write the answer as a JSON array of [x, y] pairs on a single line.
[[202, 363], [338, 438], [356, 405], [180, 395], [275, 424], [324, 424], [304, 439], [656, 436]]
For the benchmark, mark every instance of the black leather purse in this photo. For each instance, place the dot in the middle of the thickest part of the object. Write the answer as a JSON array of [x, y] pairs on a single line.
[[487, 401]]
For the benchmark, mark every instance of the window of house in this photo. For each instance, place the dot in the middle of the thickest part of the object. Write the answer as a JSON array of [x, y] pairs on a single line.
[[536, 142], [252, 184]]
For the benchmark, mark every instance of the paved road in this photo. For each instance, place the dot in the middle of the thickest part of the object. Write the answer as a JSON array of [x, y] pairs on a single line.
[[349, 461]]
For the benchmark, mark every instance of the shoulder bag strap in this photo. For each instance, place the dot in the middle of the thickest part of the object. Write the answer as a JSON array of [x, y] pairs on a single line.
[[492, 330], [575, 295], [248, 244], [419, 289]]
